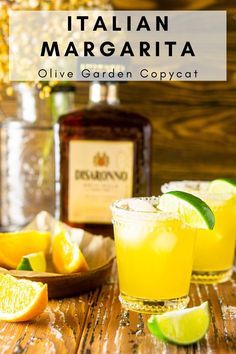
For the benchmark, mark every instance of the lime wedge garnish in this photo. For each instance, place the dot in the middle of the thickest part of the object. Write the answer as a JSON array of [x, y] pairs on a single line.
[[33, 261], [183, 326], [223, 185], [192, 210]]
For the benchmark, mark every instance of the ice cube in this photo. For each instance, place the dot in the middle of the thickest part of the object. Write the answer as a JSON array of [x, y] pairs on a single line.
[[141, 205], [132, 234], [165, 242]]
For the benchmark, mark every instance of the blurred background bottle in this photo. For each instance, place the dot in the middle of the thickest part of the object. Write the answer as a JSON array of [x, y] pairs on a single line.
[[27, 183]]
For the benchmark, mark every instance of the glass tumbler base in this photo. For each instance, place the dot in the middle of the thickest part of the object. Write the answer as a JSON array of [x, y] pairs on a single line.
[[152, 306], [211, 277]]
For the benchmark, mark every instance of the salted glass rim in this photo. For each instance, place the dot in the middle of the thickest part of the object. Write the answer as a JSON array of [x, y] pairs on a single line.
[[204, 194], [118, 209]]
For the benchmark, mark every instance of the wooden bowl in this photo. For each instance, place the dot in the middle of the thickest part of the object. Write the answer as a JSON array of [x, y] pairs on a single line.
[[99, 252], [60, 285]]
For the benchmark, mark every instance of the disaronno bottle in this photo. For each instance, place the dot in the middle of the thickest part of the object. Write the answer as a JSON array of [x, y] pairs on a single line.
[[102, 154]]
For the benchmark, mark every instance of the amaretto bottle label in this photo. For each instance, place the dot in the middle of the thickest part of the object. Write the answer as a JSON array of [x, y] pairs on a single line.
[[99, 173]]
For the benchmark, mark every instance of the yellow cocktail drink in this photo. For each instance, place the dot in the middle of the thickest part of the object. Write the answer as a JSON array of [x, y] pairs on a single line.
[[154, 252], [214, 249]]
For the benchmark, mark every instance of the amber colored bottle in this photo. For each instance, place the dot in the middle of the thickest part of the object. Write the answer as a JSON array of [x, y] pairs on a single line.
[[103, 153]]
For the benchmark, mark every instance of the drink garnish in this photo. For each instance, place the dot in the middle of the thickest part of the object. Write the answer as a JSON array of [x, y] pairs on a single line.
[[222, 185], [193, 211], [181, 327]]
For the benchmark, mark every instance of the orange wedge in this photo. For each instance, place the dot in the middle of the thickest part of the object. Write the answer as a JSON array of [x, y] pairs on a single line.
[[21, 300], [66, 256], [15, 245]]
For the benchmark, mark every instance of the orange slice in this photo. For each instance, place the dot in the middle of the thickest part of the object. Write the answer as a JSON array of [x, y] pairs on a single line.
[[15, 245], [66, 256], [21, 300]]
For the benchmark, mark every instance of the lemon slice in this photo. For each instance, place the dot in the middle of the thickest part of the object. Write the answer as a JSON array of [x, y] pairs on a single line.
[[15, 245], [182, 327], [192, 210], [222, 185], [33, 261], [66, 255], [21, 300]]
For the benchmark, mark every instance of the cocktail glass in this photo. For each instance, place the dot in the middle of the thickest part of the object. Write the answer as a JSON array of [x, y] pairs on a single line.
[[214, 249], [154, 252]]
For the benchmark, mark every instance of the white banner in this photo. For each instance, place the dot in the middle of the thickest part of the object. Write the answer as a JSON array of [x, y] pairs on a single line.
[[118, 45]]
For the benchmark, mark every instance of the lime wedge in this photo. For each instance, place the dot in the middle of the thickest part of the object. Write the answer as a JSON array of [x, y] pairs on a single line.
[[183, 326], [33, 261], [223, 185], [192, 210]]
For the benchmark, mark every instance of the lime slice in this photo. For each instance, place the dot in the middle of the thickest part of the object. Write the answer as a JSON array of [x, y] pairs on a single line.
[[223, 185], [192, 209], [183, 326], [33, 261]]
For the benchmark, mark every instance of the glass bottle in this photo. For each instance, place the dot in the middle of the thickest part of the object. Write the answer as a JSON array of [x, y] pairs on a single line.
[[102, 154], [27, 184], [26, 160]]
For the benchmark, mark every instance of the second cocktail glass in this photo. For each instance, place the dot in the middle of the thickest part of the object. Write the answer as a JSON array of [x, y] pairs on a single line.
[[214, 249]]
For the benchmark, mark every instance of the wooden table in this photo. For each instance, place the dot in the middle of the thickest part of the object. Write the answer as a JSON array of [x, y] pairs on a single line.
[[96, 323]]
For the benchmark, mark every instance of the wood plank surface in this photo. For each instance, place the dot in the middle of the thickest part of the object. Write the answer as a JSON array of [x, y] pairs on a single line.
[[194, 123], [96, 324], [109, 329], [57, 330], [194, 133]]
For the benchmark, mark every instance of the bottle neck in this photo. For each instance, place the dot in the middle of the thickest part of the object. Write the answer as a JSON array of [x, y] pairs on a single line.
[[62, 101], [30, 108], [103, 93]]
